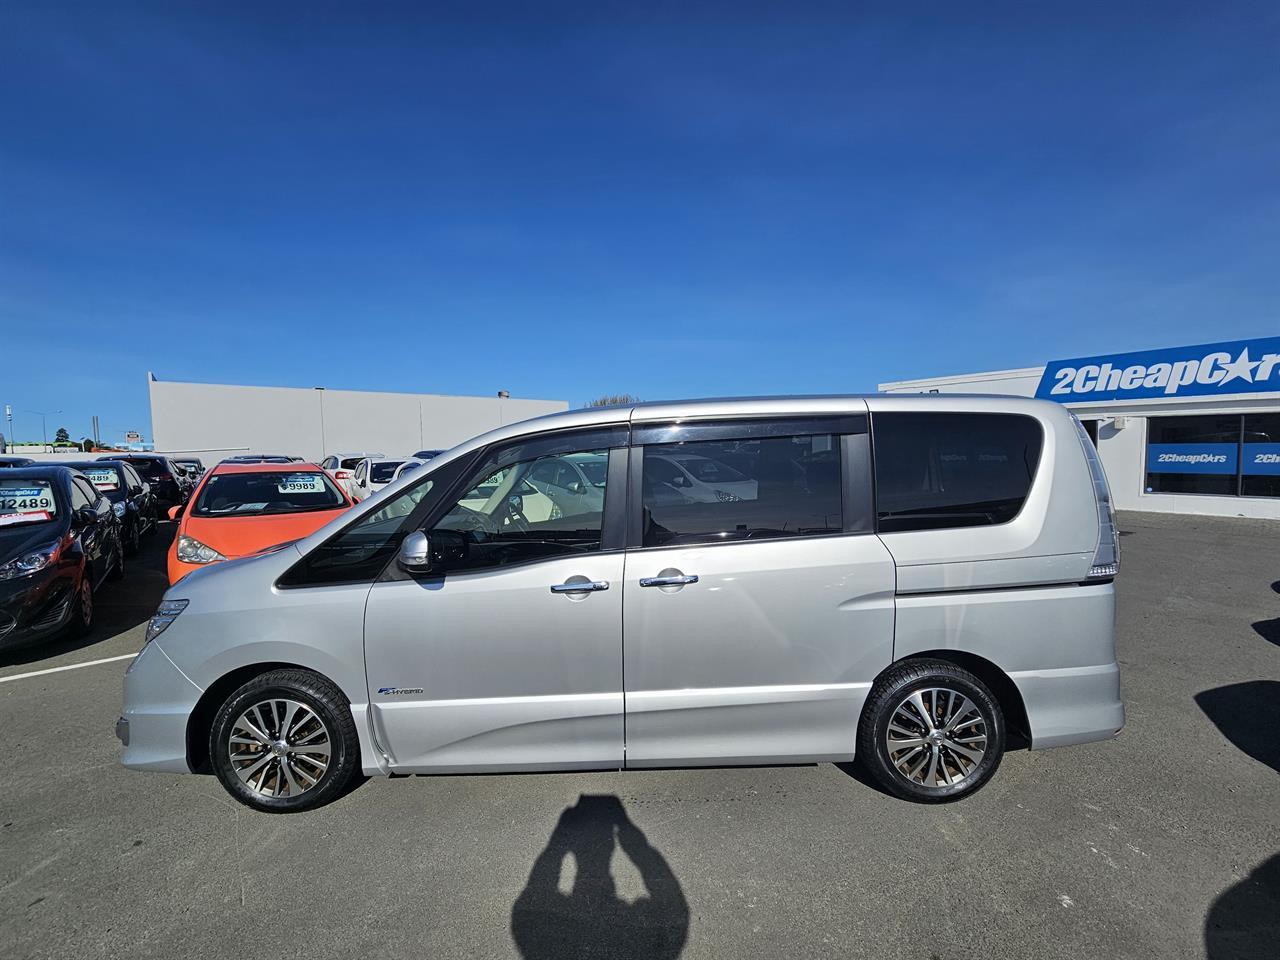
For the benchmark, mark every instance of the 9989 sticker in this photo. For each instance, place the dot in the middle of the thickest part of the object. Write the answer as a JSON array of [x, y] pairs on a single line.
[[301, 483]]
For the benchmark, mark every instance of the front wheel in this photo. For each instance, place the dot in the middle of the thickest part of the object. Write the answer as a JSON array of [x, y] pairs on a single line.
[[931, 731], [285, 742]]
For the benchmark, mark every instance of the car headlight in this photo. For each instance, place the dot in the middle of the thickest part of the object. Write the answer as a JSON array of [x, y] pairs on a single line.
[[724, 496], [118, 509], [165, 615], [191, 550], [30, 562]]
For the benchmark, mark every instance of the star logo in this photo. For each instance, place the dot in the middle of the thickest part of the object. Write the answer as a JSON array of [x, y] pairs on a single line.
[[1241, 367]]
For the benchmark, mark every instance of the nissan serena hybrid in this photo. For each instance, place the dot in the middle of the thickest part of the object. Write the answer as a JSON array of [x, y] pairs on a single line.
[[916, 581]]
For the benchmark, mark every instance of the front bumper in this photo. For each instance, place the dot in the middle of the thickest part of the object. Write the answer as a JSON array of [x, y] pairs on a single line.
[[37, 605], [158, 702]]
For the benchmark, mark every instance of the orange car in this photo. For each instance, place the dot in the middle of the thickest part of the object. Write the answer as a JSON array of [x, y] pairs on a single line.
[[243, 508]]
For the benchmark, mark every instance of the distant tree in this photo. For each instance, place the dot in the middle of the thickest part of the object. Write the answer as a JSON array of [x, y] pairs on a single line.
[[62, 436], [609, 399], [87, 445]]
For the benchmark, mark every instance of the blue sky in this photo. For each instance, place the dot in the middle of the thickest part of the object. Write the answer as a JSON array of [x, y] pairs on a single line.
[[671, 200]]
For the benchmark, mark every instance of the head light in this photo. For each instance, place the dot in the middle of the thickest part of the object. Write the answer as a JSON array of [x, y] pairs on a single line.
[[191, 550], [165, 615], [118, 509], [724, 496], [31, 562]]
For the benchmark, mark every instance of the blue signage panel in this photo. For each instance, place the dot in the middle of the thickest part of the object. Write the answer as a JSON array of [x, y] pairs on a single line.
[[1262, 459], [1211, 369], [1191, 457]]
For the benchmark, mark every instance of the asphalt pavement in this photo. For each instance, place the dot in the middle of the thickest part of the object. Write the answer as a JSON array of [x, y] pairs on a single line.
[[1163, 843]]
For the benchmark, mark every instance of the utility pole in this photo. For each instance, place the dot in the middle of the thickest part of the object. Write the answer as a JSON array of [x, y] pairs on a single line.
[[44, 432]]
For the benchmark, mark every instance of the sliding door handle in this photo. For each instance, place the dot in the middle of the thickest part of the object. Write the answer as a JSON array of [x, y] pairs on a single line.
[[678, 581], [580, 586]]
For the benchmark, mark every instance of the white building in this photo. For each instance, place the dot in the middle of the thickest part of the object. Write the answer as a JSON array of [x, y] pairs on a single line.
[[1183, 430], [213, 420]]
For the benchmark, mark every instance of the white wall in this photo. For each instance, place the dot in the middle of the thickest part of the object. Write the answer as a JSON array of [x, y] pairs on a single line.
[[217, 420]]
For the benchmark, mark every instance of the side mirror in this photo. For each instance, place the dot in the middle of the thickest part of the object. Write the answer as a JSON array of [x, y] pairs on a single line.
[[175, 512], [415, 552], [86, 516], [576, 486]]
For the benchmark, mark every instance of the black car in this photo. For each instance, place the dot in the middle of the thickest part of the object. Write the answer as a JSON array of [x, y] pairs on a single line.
[[59, 539], [131, 497], [6, 462], [193, 465], [171, 486]]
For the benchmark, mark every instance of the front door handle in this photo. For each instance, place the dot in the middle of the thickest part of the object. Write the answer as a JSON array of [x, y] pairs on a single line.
[[581, 586], [669, 581]]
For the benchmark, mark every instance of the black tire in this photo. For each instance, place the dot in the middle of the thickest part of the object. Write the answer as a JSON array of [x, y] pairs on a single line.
[[923, 676], [82, 606], [134, 540], [155, 520], [328, 704]]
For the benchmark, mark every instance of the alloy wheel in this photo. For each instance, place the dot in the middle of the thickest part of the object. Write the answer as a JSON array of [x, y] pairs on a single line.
[[936, 737], [279, 748]]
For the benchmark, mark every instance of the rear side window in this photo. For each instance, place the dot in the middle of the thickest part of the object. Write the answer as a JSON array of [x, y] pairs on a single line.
[[722, 490], [935, 471]]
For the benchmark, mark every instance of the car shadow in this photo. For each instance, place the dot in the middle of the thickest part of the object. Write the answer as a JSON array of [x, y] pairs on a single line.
[[119, 606], [1244, 922], [1268, 630], [1247, 714], [591, 920]]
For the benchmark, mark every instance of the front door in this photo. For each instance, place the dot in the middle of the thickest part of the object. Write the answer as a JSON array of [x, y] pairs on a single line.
[[758, 605], [507, 655]]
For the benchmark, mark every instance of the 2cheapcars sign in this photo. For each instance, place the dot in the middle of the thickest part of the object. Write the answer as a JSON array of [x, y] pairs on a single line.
[[1212, 369]]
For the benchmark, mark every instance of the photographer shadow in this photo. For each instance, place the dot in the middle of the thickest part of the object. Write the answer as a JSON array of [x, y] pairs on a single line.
[[591, 920]]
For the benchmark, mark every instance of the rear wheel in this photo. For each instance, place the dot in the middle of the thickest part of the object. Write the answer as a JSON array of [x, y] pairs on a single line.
[[285, 742], [931, 731], [134, 540], [82, 607]]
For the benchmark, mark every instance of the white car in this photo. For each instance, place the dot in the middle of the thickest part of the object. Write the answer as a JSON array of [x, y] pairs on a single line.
[[342, 467], [373, 473], [701, 479]]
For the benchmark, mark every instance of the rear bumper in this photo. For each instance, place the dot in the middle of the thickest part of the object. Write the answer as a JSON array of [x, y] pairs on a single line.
[[158, 702], [1071, 705]]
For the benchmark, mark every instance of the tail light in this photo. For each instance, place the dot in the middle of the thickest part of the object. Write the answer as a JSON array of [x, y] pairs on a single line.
[[342, 475], [1106, 559]]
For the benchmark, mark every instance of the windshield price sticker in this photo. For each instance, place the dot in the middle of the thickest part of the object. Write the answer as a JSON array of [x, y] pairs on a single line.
[[301, 483], [21, 504], [103, 479]]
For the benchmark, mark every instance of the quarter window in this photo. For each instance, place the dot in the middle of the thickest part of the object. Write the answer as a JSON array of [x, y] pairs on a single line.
[[717, 491], [941, 470]]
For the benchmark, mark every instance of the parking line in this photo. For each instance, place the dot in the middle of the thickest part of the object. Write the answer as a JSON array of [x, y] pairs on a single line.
[[73, 666]]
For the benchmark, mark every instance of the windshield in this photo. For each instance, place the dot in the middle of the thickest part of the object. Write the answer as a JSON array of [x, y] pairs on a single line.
[[709, 471], [26, 501], [383, 472], [247, 494], [105, 479], [150, 468]]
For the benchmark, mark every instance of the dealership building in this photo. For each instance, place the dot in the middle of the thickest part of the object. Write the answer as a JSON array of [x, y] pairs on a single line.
[[1183, 430], [214, 421]]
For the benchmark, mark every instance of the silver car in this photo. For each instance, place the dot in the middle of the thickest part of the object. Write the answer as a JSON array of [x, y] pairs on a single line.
[[917, 581]]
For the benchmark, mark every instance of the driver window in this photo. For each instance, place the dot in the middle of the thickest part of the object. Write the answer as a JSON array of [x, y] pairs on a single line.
[[505, 519], [78, 497]]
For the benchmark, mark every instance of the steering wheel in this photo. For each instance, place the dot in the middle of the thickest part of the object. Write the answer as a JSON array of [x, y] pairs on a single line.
[[515, 514], [474, 520]]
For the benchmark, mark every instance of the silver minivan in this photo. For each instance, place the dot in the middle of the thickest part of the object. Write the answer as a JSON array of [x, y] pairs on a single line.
[[918, 581]]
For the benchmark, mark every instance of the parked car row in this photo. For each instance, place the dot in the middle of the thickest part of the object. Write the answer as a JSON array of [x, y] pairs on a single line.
[[61, 535]]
